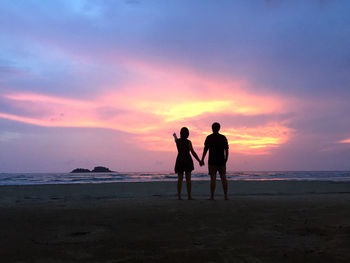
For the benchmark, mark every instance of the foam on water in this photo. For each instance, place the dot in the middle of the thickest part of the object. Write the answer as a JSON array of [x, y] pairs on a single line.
[[74, 178]]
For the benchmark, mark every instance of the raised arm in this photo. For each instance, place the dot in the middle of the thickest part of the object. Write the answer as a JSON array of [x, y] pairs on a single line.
[[193, 152], [175, 137]]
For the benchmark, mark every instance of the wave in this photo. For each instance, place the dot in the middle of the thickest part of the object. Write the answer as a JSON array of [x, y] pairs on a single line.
[[69, 178]]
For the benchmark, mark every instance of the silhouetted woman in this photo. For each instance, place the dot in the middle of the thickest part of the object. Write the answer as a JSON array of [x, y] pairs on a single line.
[[184, 162]]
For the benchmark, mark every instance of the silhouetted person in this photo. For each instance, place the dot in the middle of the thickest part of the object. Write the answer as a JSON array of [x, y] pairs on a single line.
[[184, 162], [217, 145]]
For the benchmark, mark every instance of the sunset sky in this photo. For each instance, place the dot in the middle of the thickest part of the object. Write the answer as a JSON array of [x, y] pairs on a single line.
[[86, 83]]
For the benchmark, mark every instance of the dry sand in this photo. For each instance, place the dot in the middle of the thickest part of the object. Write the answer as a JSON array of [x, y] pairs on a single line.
[[143, 222]]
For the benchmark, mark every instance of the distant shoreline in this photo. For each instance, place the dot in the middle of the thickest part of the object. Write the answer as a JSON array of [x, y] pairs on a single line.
[[97, 169]]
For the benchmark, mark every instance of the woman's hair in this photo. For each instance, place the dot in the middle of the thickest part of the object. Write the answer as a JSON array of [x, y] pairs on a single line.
[[184, 133]]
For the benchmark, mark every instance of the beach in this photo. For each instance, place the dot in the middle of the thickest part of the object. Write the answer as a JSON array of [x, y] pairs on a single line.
[[264, 221]]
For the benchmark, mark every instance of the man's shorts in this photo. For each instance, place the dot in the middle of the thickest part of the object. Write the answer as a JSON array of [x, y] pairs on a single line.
[[213, 169]]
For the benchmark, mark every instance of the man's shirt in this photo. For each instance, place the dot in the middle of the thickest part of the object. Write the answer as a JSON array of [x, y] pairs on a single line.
[[217, 144]]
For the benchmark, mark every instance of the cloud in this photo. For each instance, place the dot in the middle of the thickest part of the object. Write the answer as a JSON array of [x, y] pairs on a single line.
[[8, 136], [345, 141], [164, 97]]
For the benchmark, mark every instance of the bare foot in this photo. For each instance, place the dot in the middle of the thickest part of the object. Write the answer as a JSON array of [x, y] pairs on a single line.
[[179, 198], [211, 198], [226, 198]]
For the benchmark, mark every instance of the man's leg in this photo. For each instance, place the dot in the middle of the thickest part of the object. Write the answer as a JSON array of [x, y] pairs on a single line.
[[212, 173], [180, 177], [222, 172], [188, 183]]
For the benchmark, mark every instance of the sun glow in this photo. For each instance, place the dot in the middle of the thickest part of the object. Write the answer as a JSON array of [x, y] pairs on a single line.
[[191, 109]]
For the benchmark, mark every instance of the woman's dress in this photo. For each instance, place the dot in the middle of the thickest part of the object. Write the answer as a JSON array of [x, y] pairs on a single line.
[[184, 162]]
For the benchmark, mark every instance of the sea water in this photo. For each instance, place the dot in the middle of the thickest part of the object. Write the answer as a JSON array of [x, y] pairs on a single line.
[[76, 178]]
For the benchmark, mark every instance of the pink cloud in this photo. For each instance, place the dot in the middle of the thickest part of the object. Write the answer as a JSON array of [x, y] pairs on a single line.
[[161, 99]]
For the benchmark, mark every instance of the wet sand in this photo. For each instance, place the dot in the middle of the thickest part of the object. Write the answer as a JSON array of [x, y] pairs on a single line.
[[143, 222]]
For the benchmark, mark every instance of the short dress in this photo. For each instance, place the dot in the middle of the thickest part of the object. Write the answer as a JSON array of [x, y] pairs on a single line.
[[184, 162]]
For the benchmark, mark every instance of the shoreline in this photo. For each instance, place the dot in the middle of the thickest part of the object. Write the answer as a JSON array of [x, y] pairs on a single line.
[[73, 178]]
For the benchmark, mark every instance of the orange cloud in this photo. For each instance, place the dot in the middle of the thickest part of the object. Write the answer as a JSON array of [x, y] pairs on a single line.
[[259, 139], [345, 141], [159, 101], [178, 92]]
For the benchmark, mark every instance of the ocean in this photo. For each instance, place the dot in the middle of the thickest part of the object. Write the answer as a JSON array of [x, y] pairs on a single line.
[[77, 178]]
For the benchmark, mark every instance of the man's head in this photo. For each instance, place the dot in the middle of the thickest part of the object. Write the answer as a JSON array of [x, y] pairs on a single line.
[[215, 127]]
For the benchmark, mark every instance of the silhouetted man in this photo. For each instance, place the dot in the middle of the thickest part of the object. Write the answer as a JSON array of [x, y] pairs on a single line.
[[217, 145]]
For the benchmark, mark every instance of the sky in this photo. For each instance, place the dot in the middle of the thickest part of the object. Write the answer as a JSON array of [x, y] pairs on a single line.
[[86, 83]]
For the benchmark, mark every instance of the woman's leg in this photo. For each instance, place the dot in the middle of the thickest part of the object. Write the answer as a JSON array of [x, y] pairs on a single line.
[[180, 177], [188, 182]]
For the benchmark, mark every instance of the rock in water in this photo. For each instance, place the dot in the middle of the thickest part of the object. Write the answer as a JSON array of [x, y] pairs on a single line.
[[101, 169], [81, 170]]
